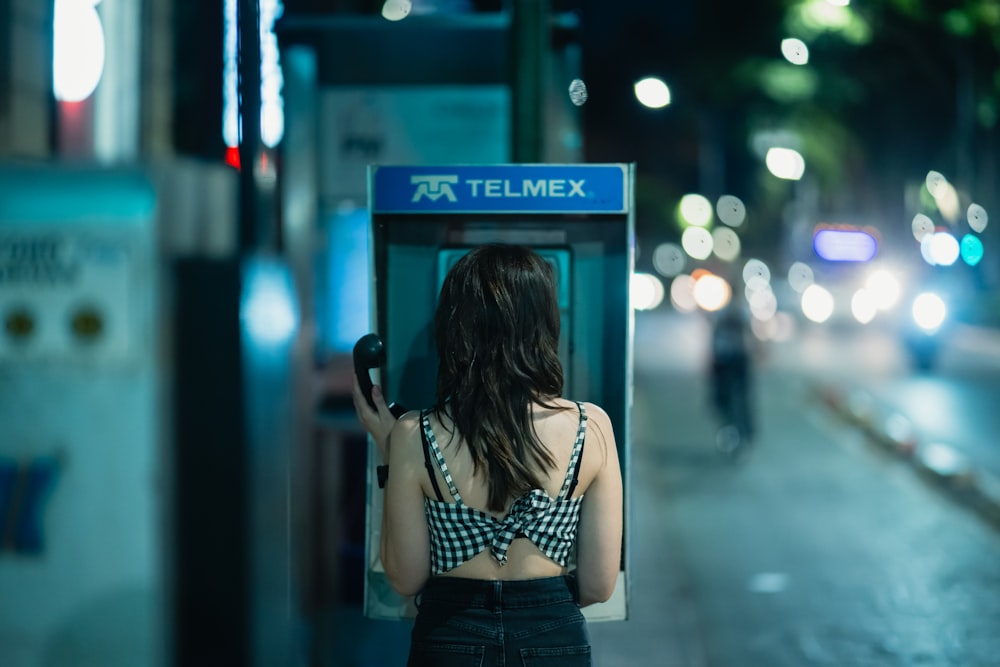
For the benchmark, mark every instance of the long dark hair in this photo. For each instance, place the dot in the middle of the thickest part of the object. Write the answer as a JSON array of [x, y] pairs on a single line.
[[496, 329]]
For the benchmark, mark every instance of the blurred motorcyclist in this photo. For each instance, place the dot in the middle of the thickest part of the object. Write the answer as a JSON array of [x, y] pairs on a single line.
[[730, 378]]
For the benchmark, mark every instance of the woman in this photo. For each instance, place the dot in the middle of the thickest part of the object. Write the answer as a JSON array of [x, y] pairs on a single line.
[[501, 483]]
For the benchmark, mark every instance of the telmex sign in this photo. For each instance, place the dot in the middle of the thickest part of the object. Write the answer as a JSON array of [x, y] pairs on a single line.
[[533, 188], [434, 186]]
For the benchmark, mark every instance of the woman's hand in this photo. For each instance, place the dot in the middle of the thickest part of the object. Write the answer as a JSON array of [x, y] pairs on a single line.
[[377, 422]]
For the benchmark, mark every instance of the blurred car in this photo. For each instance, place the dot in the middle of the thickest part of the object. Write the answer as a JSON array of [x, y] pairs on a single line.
[[916, 293], [914, 304]]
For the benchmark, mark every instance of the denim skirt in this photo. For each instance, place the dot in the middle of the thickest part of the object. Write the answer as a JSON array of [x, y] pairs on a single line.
[[479, 623]]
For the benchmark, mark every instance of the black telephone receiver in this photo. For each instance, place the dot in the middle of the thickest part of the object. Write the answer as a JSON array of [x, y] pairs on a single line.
[[369, 352]]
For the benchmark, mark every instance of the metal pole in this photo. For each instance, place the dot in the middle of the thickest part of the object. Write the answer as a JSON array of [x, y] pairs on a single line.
[[248, 48], [529, 41]]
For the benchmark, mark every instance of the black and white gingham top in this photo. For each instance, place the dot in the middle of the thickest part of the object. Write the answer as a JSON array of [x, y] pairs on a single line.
[[459, 532]]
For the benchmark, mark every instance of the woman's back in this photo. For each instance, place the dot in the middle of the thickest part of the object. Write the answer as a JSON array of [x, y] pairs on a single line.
[[558, 430]]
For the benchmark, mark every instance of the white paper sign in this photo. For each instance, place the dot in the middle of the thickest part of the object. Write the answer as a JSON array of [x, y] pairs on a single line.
[[64, 296]]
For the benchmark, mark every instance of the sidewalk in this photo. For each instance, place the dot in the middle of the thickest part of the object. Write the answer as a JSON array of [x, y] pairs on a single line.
[[962, 478], [971, 481]]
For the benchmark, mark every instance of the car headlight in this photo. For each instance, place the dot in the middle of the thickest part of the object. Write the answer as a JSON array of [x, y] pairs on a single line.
[[884, 288], [929, 311]]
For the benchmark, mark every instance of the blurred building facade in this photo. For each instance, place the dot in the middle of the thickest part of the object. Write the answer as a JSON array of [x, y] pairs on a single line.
[[25, 78], [123, 457], [129, 115]]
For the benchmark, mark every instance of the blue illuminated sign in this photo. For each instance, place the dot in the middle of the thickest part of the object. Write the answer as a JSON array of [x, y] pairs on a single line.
[[514, 188], [845, 245]]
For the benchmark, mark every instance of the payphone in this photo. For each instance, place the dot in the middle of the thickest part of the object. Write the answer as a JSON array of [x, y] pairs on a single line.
[[579, 217]]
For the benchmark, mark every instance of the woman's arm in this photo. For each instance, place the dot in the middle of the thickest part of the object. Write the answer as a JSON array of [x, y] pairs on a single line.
[[405, 543], [599, 536]]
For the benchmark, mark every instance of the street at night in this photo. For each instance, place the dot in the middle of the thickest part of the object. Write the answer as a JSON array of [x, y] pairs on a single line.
[[815, 549], [761, 256]]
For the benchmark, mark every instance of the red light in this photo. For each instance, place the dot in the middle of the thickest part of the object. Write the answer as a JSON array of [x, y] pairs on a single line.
[[233, 156], [72, 110]]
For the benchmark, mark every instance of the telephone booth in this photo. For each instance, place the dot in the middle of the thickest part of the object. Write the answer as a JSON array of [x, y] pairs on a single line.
[[577, 216]]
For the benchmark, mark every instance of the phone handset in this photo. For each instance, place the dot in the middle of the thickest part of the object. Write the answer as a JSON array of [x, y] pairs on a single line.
[[369, 352]]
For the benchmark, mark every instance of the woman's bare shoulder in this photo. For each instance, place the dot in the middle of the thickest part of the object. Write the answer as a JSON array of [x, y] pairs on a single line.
[[405, 431], [599, 424], [597, 416], [409, 422], [594, 411]]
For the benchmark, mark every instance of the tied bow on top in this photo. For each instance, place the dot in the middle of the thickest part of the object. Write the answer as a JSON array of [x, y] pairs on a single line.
[[458, 533], [521, 521]]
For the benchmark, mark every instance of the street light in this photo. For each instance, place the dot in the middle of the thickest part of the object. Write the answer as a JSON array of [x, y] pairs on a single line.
[[652, 92], [795, 51], [78, 49], [785, 163]]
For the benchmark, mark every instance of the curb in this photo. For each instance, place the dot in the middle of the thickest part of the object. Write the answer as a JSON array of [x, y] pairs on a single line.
[[936, 462]]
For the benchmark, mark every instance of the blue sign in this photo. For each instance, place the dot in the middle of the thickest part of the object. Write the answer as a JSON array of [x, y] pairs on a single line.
[[845, 245], [513, 188]]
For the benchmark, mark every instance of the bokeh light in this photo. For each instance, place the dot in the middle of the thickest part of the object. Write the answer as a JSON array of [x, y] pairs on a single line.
[[884, 288], [78, 49], [940, 249], [755, 268], [864, 305], [944, 195], [731, 210], [829, 15], [977, 217], [697, 242], [780, 328], [682, 293], [726, 244], [785, 163], [941, 458], [929, 311], [669, 259], [795, 51], [817, 303], [646, 290], [694, 209], [755, 284], [934, 180], [268, 307], [763, 303], [899, 428], [712, 292], [652, 92], [972, 250], [396, 10], [800, 276], [921, 226]]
